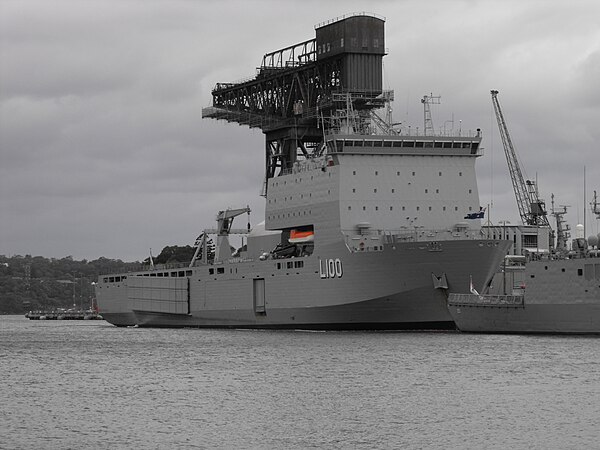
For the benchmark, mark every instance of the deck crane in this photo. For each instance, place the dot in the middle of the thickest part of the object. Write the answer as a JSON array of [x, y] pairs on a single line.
[[531, 208]]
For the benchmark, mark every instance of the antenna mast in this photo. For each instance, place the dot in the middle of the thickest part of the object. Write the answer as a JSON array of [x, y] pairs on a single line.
[[427, 101]]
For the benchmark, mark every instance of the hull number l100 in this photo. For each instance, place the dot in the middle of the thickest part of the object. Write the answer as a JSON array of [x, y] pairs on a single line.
[[331, 268]]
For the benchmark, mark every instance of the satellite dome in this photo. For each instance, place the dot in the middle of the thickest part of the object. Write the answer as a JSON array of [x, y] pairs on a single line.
[[593, 240]]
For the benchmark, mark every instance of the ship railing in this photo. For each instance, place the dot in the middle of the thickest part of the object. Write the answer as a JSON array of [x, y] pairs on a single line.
[[413, 132], [345, 16], [415, 234], [486, 300]]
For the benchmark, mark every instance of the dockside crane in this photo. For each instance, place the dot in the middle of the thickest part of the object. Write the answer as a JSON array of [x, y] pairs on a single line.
[[531, 208]]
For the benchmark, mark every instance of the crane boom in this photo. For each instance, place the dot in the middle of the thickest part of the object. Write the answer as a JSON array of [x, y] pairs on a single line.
[[531, 208]]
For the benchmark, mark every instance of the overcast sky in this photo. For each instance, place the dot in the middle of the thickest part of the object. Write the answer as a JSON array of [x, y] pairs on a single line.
[[103, 151]]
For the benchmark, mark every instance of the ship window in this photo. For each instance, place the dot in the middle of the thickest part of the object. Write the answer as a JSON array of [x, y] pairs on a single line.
[[341, 42], [328, 47], [426, 191], [532, 276], [418, 208], [376, 43], [349, 208], [349, 143], [377, 144], [365, 42], [391, 208], [375, 190], [358, 143], [404, 208], [470, 191], [220, 269], [456, 145], [181, 273], [409, 144], [466, 145], [398, 173], [580, 272], [419, 144], [387, 143], [278, 266], [299, 264], [105, 279], [354, 172], [456, 208], [443, 208], [399, 144], [437, 191], [364, 208], [428, 144], [460, 174], [153, 275], [438, 144], [290, 265], [393, 190], [562, 270], [173, 274], [413, 174], [447, 144], [377, 208], [430, 208], [354, 190], [439, 174]]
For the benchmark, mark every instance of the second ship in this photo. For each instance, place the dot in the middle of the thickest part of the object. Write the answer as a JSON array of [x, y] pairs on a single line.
[[367, 226]]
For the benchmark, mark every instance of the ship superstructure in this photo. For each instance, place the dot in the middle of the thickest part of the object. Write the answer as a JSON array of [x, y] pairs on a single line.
[[367, 225]]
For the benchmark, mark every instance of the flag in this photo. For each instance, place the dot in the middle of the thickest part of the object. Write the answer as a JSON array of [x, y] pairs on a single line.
[[476, 215]]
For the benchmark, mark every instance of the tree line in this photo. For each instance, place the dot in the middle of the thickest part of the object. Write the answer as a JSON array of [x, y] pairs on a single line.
[[35, 282]]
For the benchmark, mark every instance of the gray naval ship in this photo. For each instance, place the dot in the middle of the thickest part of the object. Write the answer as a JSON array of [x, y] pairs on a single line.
[[543, 288], [367, 224], [548, 293]]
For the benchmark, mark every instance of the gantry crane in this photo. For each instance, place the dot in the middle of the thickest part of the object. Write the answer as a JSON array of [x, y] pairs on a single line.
[[531, 208]]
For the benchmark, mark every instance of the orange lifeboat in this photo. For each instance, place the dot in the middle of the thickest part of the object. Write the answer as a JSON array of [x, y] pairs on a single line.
[[300, 236]]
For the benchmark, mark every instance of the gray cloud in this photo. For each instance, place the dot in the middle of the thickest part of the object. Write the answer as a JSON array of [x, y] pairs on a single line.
[[103, 151]]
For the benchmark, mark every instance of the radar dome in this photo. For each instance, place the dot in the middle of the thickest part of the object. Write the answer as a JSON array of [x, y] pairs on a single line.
[[578, 231], [593, 240]]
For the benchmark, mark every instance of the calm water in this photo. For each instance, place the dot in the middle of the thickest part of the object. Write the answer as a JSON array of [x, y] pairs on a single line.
[[87, 384]]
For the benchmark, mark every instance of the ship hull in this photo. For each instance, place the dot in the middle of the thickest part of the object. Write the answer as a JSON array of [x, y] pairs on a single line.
[[563, 318], [403, 286], [560, 297]]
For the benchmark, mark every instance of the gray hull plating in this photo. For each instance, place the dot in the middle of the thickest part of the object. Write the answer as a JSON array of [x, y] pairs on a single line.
[[393, 288], [560, 296]]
